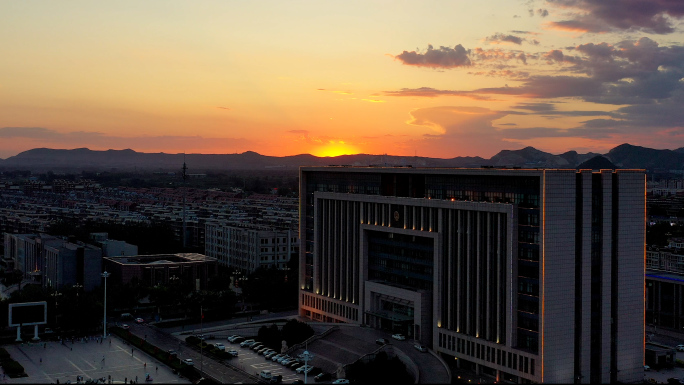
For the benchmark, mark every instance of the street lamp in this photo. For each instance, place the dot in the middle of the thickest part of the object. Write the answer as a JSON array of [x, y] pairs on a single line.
[[104, 321], [306, 356]]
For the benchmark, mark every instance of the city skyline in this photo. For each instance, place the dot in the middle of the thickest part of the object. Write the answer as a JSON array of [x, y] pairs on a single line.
[[402, 78]]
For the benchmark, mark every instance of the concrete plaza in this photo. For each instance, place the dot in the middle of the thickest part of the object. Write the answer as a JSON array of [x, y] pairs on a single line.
[[47, 362]]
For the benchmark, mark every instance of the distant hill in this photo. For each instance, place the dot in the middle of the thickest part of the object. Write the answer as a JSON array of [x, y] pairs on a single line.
[[43, 159]]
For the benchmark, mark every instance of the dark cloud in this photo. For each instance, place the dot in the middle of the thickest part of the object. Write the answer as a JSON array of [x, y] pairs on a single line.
[[442, 57], [536, 107], [548, 87], [514, 75], [557, 56], [653, 16], [503, 38], [542, 12], [427, 92], [224, 108]]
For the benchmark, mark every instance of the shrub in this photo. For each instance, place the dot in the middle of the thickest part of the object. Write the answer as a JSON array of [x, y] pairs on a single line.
[[12, 368]]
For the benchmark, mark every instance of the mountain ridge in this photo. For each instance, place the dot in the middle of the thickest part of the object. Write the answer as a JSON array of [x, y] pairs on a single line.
[[622, 156]]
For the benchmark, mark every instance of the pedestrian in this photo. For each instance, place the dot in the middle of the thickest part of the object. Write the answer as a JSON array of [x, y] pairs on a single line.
[[125, 380], [136, 379], [145, 365], [41, 360], [156, 369]]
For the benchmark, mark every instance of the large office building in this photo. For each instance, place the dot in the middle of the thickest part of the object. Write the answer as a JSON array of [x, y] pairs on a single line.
[[520, 275]]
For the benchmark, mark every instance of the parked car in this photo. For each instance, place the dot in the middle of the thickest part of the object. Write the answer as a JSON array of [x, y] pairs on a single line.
[[265, 374], [680, 348], [172, 353], [256, 346], [420, 348], [647, 368], [238, 339], [276, 379], [270, 354], [276, 357], [125, 327], [382, 341], [303, 368], [341, 381], [322, 376], [247, 343], [139, 320], [231, 338], [220, 346], [188, 361], [287, 361], [399, 337], [283, 358], [202, 337], [233, 352], [294, 365], [264, 350]]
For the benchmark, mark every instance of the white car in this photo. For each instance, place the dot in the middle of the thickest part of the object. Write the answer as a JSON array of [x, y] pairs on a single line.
[[680, 348], [247, 343], [188, 361], [399, 337], [233, 353], [303, 368], [420, 348], [220, 346]]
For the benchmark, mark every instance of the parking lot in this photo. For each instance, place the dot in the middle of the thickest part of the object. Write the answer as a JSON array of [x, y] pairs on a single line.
[[251, 362]]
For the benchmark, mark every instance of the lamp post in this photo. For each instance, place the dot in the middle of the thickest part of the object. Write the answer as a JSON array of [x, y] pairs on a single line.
[[306, 356], [104, 321]]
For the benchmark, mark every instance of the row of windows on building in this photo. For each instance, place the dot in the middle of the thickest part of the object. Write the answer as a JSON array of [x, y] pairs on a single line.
[[266, 241], [332, 307], [487, 353]]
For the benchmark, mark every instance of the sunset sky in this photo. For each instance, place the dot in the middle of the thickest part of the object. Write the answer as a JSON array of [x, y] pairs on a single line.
[[427, 78]]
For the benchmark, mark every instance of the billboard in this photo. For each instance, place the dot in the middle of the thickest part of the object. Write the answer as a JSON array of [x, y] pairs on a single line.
[[27, 313]]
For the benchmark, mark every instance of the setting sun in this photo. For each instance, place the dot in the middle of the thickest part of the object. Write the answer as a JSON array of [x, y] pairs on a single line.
[[336, 149]]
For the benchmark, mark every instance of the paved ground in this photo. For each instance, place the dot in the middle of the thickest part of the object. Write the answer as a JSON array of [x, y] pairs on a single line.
[[54, 361]]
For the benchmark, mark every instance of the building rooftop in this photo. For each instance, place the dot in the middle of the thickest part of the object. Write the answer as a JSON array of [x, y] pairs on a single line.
[[158, 259]]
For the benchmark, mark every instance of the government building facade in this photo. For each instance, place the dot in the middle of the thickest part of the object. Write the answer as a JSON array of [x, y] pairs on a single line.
[[519, 275]]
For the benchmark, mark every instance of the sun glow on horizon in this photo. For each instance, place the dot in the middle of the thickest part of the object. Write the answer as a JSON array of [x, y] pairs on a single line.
[[336, 149]]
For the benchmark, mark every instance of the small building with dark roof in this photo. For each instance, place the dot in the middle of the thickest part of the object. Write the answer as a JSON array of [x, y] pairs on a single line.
[[152, 270]]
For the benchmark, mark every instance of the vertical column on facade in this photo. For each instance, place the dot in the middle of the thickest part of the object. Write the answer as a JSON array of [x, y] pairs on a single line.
[[459, 269], [488, 283], [468, 269], [329, 251], [479, 285], [354, 251], [337, 244], [606, 281], [585, 352], [447, 319], [500, 332]]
